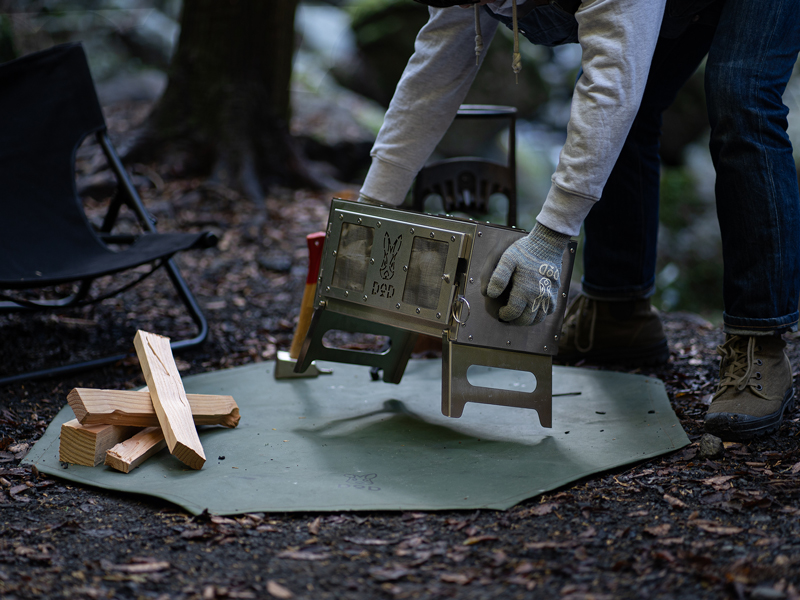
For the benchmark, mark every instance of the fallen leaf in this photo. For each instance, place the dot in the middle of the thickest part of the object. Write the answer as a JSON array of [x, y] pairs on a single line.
[[278, 591], [190, 534], [719, 482], [549, 545], [459, 578], [670, 541], [367, 541], [478, 539], [17, 489], [313, 527], [145, 567], [299, 555], [674, 502], [658, 530], [524, 568], [543, 509], [711, 527], [389, 574]]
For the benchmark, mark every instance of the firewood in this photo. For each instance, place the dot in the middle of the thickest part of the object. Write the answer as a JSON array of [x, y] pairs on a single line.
[[87, 444], [169, 398], [128, 455], [115, 407]]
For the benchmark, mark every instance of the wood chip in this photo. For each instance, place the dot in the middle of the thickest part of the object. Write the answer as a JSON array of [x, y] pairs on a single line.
[[135, 408]]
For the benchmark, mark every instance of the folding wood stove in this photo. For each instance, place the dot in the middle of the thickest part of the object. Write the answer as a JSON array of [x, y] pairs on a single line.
[[398, 273]]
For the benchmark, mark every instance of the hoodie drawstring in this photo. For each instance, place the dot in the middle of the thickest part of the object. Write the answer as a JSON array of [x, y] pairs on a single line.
[[516, 62]]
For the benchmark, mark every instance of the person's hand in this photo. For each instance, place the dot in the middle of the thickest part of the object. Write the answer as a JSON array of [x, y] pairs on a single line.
[[532, 265]]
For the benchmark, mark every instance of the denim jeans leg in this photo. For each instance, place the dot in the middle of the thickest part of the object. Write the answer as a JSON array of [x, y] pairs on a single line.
[[621, 230], [758, 204]]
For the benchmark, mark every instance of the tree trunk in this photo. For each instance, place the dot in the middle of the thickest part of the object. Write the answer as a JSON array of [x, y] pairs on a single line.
[[226, 106]]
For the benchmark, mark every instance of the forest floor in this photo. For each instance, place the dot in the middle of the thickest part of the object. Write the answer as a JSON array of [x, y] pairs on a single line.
[[678, 526]]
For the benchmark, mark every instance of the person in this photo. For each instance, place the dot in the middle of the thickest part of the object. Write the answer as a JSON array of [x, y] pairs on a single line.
[[617, 38], [750, 59], [629, 57]]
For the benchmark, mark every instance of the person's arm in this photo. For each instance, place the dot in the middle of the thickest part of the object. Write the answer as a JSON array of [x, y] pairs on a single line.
[[433, 86], [618, 38]]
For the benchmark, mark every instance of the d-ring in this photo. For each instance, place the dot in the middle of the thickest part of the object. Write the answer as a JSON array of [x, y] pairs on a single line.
[[463, 301]]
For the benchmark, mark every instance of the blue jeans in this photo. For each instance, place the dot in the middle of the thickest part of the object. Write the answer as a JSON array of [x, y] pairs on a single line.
[[751, 53]]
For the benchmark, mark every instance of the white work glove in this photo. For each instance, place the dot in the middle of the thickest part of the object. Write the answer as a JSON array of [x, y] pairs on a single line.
[[533, 266]]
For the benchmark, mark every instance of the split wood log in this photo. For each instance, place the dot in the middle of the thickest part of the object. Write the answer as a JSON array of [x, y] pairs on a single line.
[[169, 398], [115, 407], [128, 455], [87, 444]]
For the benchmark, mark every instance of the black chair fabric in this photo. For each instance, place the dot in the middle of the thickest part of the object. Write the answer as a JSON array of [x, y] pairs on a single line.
[[48, 106]]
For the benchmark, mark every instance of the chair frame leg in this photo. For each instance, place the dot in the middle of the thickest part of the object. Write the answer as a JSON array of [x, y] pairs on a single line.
[[133, 200]]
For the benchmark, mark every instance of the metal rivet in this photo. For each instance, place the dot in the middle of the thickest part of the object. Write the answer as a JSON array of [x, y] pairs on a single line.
[[555, 337], [472, 280], [323, 303], [508, 343], [405, 267], [365, 297], [412, 230], [438, 315], [470, 338], [563, 294], [545, 347], [446, 278], [480, 233], [452, 238], [417, 311], [341, 217], [397, 305], [358, 221], [334, 252], [372, 261], [378, 224], [328, 289], [432, 234], [346, 293], [572, 250]]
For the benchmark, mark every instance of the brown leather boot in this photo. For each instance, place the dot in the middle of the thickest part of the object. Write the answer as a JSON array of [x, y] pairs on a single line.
[[601, 331], [755, 388]]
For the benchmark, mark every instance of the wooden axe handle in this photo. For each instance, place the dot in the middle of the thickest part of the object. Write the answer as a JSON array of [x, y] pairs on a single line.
[[315, 242]]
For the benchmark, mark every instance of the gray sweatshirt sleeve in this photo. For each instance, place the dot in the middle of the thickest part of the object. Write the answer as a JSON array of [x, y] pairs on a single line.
[[433, 86], [617, 38]]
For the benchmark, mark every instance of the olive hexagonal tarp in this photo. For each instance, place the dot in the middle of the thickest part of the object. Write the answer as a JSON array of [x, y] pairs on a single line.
[[344, 442]]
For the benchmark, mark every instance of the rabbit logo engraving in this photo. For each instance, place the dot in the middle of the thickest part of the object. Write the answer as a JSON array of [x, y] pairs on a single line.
[[390, 251]]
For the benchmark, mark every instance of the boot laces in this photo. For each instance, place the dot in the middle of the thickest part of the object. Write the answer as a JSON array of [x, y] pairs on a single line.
[[738, 362], [580, 309]]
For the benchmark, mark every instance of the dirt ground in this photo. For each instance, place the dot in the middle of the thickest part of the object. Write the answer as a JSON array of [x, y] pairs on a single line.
[[679, 526]]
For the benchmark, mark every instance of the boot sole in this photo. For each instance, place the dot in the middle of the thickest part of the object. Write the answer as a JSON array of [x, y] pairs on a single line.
[[647, 356], [734, 427]]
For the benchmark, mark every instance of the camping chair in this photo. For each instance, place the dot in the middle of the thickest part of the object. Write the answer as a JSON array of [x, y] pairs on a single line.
[[49, 106], [465, 183]]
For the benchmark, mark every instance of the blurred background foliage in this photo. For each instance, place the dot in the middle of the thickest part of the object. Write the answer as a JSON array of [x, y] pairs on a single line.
[[348, 59]]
